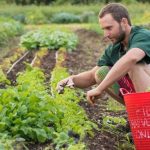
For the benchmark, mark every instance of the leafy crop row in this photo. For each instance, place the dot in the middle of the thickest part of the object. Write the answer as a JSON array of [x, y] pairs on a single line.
[[27, 108], [28, 112], [53, 40], [75, 122]]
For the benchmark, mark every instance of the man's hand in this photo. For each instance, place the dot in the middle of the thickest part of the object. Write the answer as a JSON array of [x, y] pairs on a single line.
[[65, 82], [93, 94]]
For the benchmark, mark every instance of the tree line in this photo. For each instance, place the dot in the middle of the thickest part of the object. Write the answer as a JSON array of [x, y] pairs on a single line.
[[48, 2]]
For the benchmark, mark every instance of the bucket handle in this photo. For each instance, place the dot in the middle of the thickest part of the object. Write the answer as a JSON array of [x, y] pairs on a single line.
[[123, 91]]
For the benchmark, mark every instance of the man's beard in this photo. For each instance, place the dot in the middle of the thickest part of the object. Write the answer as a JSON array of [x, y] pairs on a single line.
[[122, 35]]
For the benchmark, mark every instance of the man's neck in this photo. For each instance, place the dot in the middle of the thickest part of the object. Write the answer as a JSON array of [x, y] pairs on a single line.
[[125, 41]]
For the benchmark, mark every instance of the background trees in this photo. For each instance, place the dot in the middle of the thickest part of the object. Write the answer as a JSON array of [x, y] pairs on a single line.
[[48, 2]]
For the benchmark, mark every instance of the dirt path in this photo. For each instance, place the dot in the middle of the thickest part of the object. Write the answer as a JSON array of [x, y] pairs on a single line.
[[87, 53], [47, 64], [20, 66], [83, 58]]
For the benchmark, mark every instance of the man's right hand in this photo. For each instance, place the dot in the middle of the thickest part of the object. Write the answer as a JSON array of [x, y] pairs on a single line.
[[68, 82]]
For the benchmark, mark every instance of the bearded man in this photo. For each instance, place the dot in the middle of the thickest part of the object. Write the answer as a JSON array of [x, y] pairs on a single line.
[[125, 63]]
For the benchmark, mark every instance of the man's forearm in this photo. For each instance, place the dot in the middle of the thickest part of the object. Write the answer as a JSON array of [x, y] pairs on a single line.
[[122, 67], [85, 79], [118, 70]]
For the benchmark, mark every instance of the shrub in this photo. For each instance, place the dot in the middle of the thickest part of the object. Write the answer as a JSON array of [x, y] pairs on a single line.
[[129, 1], [20, 18], [65, 18], [8, 29]]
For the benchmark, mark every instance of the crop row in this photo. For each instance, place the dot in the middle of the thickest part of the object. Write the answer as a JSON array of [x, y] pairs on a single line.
[[53, 40], [28, 112]]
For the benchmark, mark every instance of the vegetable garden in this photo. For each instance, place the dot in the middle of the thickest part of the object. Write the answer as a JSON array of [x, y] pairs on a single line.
[[32, 114]]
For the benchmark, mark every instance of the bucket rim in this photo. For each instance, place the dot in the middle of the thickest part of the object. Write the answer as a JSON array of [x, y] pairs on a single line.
[[137, 93], [125, 92]]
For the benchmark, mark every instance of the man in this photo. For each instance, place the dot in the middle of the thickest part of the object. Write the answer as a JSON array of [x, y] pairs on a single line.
[[125, 62]]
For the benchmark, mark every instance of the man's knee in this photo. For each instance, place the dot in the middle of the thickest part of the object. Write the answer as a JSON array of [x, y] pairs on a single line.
[[140, 76], [136, 67], [140, 70], [101, 73]]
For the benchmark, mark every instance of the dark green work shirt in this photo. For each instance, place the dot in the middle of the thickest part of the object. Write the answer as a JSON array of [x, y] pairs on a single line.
[[139, 38]]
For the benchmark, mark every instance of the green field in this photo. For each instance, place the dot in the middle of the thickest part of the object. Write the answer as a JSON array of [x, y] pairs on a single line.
[[138, 16]]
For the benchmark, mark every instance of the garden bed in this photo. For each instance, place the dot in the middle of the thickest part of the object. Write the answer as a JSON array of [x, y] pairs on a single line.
[[83, 58]]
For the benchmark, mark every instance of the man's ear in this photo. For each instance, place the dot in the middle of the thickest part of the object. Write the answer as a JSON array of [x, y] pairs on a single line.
[[124, 21]]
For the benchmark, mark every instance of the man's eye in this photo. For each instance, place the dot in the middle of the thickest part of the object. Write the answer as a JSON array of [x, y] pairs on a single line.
[[109, 28]]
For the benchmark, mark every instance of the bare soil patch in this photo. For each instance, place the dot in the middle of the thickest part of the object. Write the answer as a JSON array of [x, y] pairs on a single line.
[[20, 66]]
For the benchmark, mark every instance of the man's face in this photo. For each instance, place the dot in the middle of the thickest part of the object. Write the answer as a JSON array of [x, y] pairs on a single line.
[[113, 30]]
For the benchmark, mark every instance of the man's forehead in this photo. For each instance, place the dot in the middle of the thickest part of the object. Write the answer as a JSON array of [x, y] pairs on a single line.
[[107, 20], [107, 17]]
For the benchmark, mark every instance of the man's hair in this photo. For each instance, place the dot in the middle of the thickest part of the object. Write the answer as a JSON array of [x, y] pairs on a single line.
[[117, 10]]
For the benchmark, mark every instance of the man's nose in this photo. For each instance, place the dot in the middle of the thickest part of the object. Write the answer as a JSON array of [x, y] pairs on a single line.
[[106, 34]]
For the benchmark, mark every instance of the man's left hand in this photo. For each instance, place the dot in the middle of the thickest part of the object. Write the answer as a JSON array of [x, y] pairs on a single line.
[[93, 94]]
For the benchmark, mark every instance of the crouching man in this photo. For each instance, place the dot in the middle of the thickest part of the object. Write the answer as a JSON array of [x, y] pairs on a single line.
[[125, 63]]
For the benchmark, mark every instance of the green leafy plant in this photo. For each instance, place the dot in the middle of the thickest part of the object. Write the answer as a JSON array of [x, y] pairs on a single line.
[[3, 79], [114, 106], [112, 123], [53, 40], [75, 121], [29, 112]]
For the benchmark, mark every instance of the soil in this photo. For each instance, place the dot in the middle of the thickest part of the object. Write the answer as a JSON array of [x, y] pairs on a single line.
[[20, 66], [48, 63]]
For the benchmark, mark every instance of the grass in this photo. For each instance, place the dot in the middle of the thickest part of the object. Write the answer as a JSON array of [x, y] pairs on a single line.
[[67, 27], [61, 27], [77, 9]]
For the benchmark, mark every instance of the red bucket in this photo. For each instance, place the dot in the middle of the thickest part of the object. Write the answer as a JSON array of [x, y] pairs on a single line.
[[138, 109]]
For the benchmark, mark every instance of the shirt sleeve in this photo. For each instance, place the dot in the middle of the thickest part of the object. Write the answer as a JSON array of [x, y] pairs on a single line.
[[104, 60], [141, 41]]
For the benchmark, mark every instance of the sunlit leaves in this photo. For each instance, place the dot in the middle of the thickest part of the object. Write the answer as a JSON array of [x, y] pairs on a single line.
[[53, 40]]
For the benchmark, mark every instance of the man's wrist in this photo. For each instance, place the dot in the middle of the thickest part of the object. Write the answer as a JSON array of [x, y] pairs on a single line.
[[72, 78], [99, 88]]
